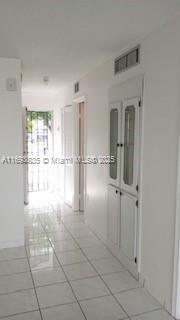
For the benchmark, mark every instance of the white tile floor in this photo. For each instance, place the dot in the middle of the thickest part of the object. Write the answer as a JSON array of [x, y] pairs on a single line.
[[66, 273]]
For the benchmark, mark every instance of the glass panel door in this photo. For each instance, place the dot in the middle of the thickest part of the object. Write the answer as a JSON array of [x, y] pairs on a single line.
[[113, 142], [115, 138], [39, 147], [129, 128], [130, 136]]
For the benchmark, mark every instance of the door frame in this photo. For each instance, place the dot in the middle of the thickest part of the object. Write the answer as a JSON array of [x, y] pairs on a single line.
[[66, 108], [25, 111], [25, 154], [176, 271], [76, 102], [136, 270]]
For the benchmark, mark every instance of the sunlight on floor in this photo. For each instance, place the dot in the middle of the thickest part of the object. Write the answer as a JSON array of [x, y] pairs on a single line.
[[66, 272]]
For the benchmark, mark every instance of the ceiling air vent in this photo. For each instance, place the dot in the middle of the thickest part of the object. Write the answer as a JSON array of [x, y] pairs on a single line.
[[127, 60], [76, 87]]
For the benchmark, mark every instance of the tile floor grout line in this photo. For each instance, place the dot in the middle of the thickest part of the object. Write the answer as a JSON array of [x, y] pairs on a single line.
[[15, 259], [125, 270], [107, 286], [99, 274], [13, 274], [88, 260], [35, 289], [81, 300], [69, 284], [18, 314], [115, 257], [107, 248], [146, 312], [16, 291]]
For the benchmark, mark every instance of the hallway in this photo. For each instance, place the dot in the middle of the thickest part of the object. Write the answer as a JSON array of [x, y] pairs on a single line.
[[65, 272]]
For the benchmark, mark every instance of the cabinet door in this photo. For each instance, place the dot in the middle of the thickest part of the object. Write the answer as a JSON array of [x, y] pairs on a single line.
[[130, 139], [113, 215], [128, 233], [115, 139]]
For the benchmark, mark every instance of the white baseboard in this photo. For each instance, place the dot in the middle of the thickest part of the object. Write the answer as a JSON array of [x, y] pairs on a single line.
[[115, 252], [11, 243]]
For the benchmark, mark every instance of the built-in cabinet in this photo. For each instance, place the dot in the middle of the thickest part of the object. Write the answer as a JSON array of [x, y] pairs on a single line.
[[123, 189], [114, 217], [128, 226]]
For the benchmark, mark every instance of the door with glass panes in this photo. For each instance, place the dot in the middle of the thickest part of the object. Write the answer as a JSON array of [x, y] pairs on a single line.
[[123, 213], [129, 181], [130, 146], [115, 143]]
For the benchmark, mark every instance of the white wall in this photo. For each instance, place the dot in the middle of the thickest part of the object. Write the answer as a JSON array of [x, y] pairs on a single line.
[[34, 101], [11, 176], [160, 61], [97, 86], [162, 83]]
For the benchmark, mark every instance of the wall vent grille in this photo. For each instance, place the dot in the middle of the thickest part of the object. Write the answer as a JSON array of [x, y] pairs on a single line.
[[127, 60], [76, 87]]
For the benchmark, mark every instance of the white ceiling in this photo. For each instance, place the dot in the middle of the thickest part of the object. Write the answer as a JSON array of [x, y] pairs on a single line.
[[65, 39]]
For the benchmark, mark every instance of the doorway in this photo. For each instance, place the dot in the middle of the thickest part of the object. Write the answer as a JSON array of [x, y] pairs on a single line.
[[39, 145], [74, 150]]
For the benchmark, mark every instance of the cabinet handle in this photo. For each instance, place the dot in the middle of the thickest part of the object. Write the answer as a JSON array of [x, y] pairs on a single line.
[[116, 191], [118, 144]]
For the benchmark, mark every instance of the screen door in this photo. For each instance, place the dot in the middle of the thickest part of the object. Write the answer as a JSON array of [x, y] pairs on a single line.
[[39, 145]]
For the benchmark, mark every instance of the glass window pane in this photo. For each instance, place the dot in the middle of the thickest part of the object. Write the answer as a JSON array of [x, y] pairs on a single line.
[[129, 131], [113, 142]]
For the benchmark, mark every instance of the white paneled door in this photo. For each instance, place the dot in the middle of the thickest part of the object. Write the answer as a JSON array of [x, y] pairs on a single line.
[[128, 228], [114, 217]]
